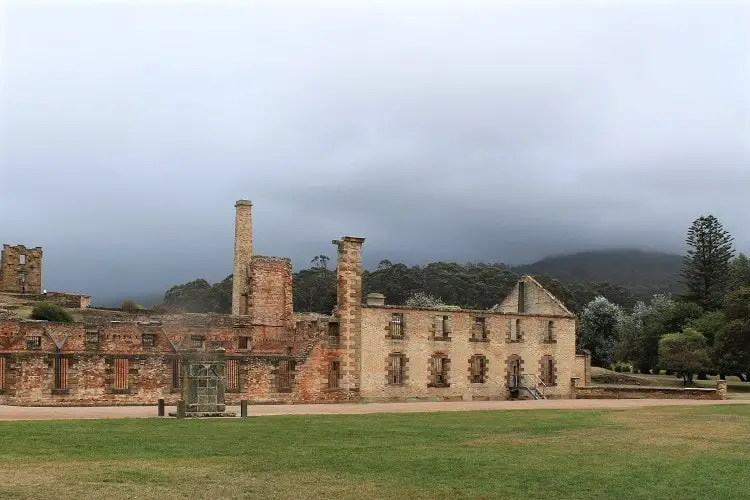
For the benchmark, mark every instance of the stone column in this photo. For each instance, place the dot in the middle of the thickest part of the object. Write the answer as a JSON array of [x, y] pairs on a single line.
[[243, 254], [349, 306], [721, 389]]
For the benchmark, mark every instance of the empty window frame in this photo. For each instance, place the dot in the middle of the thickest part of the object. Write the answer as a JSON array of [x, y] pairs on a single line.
[[439, 371], [521, 297], [442, 327], [197, 341], [285, 375], [479, 328], [550, 333], [334, 374], [478, 369], [22, 259], [244, 343], [148, 340], [396, 369], [92, 339], [548, 368], [334, 334]]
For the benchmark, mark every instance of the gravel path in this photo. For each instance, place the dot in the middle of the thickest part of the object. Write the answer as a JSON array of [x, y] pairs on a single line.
[[51, 413]]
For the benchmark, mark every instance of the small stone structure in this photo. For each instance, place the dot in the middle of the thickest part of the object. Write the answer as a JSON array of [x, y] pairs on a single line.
[[649, 392], [21, 269], [203, 383]]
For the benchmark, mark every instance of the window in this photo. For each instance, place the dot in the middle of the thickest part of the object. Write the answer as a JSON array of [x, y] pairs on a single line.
[[122, 366], [550, 335], [478, 369], [176, 376], [233, 375], [92, 339], [197, 341], [285, 375], [396, 369], [442, 327], [518, 332], [244, 342], [22, 259], [396, 326], [439, 371], [2, 373], [334, 336], [34, 342], [521, 297], [547, 367], [61, 373], [479, 329], [148, 340], [334, 374]]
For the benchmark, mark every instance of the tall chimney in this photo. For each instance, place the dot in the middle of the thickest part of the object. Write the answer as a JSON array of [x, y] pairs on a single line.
[[349, 306], [243, 254]]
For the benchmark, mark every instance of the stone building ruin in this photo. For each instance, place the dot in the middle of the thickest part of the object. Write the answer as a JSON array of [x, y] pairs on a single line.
[[21, 269], [367, 350]]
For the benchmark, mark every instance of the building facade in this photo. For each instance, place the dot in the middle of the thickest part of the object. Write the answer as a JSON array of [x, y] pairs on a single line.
[[366, 350]]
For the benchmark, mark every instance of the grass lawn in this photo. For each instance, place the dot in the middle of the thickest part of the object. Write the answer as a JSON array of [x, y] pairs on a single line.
[[668, 452]]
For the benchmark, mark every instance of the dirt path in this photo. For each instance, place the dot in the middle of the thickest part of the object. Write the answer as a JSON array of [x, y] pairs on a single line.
[[49, 413]]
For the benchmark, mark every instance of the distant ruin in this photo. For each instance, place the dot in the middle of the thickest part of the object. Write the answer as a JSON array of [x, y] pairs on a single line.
[[21, 269]]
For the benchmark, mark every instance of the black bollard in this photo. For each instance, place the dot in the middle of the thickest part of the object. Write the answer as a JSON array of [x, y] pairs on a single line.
[[160, 407], [243, 408], [181, 408]]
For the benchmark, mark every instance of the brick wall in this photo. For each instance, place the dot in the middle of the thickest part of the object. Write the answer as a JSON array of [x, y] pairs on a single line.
[[269, 299], [243, 253]]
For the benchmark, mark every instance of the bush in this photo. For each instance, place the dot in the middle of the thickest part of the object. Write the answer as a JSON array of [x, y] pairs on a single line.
[[130, 305], [51, 312]]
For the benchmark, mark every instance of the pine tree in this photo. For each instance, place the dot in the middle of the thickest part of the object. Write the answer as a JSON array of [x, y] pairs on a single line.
[[705, 269]]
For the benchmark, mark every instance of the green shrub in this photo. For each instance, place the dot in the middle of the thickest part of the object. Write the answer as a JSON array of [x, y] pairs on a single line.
[[131, 305], [51, 312]]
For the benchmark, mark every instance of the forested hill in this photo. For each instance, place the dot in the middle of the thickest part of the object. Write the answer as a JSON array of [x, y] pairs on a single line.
[[642, 273]]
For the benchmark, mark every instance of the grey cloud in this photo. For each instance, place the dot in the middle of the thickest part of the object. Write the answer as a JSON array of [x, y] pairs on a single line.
[[486, 132]]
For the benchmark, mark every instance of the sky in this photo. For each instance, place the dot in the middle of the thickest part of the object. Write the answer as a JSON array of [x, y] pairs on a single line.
[[457, 131]]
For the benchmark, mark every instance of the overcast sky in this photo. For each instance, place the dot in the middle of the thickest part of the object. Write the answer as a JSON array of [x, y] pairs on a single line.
[[497, 133]]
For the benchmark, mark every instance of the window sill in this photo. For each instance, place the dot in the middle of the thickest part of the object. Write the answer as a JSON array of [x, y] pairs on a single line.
[[390, 337], [440, 339], [284, 391], [478, 340], [513, 341], [335, 389], [549, 341], [120, 391], [439, 386], [60, 392], [391, 384]]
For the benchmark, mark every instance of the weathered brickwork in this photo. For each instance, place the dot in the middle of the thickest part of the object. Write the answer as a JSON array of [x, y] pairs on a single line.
[[21, 269], [367, 351]]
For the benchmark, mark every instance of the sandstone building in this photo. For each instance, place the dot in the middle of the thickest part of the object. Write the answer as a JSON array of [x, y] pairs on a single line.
[[366, 350]]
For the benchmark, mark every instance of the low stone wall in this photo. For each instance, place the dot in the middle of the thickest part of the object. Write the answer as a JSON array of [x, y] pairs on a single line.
[[641, 392]]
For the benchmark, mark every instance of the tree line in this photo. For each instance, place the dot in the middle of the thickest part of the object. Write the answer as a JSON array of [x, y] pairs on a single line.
[[704, 330]]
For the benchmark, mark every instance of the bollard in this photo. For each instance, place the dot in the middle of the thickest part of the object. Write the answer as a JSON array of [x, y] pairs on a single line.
[[181, 408], [243, 408], [160, 407]]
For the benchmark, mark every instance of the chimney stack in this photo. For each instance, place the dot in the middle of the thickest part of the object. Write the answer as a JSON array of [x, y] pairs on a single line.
[[243, 254]]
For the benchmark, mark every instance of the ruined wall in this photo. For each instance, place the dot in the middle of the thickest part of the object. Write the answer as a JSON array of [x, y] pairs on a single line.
[[21, 269], [92, 354], [422, 339], [69, 300], [269, 299], [536, 300], [641, 392]]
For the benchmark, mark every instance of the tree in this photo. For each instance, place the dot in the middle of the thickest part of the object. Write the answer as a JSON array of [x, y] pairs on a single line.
[[51, 312], [631, 332], [599, 330], [705, 270], [709, 324], [685, 353], [731, 349], [421, 299], [740, 271], [320, 261]]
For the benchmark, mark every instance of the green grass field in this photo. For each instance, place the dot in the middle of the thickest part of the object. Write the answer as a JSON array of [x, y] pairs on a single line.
[[668, 452]]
